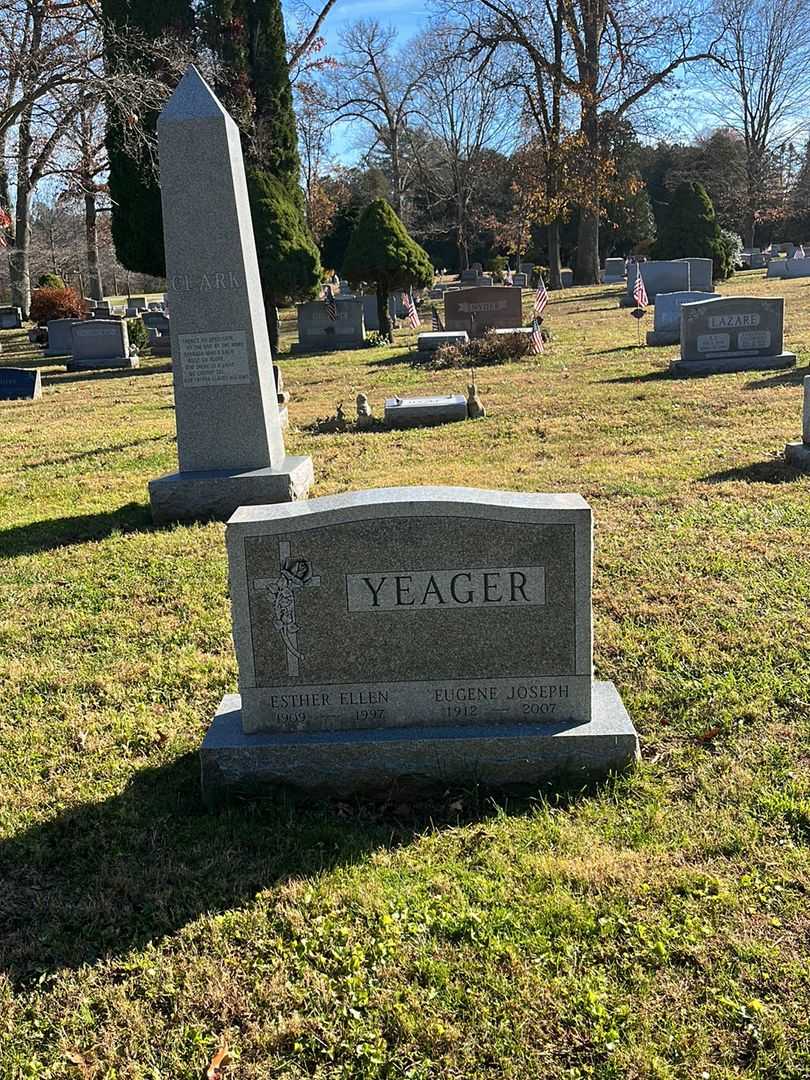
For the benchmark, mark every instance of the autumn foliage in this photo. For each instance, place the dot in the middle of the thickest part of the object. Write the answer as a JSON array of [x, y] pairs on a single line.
[[52, 303]]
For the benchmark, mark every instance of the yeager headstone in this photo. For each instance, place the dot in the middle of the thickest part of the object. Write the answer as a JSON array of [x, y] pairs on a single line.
[[463, 627], [229, 439]]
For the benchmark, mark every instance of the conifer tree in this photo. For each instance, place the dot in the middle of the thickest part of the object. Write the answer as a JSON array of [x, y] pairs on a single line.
[[137, 220], [689, 229], [381, 251]]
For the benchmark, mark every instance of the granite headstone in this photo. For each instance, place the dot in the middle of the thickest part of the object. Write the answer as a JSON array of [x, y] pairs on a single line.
[[464, 619], [317, 331], [733, 333], [476, 310], [60, 337], [667, 324], [229, 441], [798, 453], [20, 384], [100, 343]]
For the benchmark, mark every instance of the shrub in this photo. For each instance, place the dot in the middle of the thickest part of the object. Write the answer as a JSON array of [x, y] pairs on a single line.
[[138, 334], [496, 265], [733, 247], [486, 351], [690, 230], [49, 303], [50, 281]]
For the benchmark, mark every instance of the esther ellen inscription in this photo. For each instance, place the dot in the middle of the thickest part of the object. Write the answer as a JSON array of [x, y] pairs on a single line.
[[219, 359], [412, 607]]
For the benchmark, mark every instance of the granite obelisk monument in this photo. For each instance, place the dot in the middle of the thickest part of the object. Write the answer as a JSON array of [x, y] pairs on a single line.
[[229, 441]]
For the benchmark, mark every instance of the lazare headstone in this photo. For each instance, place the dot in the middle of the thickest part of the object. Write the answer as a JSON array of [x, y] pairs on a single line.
[[464, 623], [318, 331], [229, 441], [667, 315], [479, 309], [100, 343], [60, 337], [417, 411], [798, 453], [20, 384], [734, 333]]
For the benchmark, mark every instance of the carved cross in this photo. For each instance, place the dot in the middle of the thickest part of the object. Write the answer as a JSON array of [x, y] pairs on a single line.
[[294, 574]]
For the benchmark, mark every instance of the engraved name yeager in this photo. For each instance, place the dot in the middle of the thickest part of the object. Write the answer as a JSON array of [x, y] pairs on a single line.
[[442, 589]]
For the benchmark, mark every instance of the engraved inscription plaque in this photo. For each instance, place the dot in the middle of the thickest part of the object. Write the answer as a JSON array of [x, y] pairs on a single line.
[[219, 359]]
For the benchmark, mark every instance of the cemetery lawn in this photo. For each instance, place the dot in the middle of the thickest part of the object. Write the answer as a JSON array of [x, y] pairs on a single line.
[[653, 927]]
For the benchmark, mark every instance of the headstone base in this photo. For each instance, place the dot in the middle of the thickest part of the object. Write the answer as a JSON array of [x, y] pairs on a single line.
[[92, 364], [727, 365], [214, 495], [798, 454], [337, 763]]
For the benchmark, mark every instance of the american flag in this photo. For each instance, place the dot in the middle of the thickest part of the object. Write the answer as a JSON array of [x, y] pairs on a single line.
[[509, 278], [331, 306], [536, 338], [436, 324], [639, 292], [540, 300], [410, 310]]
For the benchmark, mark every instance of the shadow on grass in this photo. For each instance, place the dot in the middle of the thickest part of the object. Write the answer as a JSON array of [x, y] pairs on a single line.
[[97, 451], [107, 877], [54, 533], [792, 377], [658, 375], [58, 379], [409, 357], [777, 471]]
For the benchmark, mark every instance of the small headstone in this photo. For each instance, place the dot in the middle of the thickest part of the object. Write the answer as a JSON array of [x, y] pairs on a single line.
[[139, 303], [317, 331], [469, 276], [667, 315], [798, 453], [615, 271], [567, 278], [520, 280], [475, 310], [776, 268], [796, 268], [20, 384], [10, 318], [527, 268], [60, 337], [437, 338], [733, 333], [100, 343], [414, 412], [229, 440], [463, 619]]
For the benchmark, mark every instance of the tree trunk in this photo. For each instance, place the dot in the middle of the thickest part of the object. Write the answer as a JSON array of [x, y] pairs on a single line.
[[382, 313], [554, 262], [271, 312], [587, 268], [18, 253], [96, 286]]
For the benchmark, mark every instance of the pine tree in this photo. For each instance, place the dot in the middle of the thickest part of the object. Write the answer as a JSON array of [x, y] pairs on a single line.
[[248, 37], [137, 220], [381, 251], [689, 229]]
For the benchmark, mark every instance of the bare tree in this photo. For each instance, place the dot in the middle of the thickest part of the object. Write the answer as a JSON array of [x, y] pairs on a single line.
[[760, 86], [602, 54], [464, 113], [52, 71], [376, 86], [306, 40]]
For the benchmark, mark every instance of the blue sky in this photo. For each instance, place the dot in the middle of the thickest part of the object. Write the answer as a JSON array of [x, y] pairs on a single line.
[[405, 12]]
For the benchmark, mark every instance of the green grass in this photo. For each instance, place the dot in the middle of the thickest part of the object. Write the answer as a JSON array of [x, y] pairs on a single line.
[[655, 927]]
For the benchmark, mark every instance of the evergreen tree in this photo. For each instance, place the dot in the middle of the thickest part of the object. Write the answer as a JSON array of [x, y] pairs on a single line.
[[690, 230], [336, 241], [248, 38], [289, 264], [381, 251], [137, 220]]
